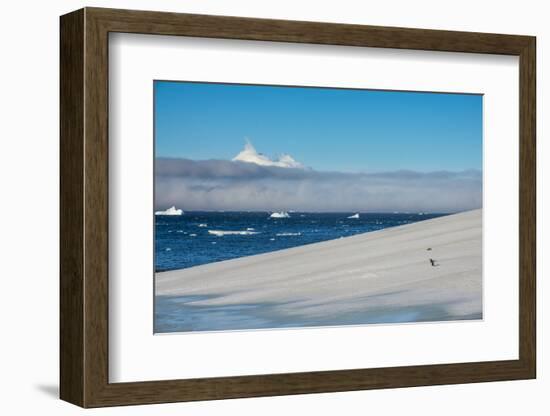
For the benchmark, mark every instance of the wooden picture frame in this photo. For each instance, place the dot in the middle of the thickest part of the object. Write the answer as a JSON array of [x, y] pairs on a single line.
[[84, 207]]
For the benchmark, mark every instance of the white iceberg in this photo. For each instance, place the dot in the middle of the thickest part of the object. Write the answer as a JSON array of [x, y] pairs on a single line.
[[250, 155], [354, 216], [170, 211], [281, 214]]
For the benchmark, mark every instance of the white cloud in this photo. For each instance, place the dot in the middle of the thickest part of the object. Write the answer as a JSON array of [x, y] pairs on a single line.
[[235, 186]]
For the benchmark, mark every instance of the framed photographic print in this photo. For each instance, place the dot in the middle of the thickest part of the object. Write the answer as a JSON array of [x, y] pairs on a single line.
[[255, 207]]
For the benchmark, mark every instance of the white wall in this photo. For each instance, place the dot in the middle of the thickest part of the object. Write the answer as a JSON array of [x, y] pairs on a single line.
[[29, 210]]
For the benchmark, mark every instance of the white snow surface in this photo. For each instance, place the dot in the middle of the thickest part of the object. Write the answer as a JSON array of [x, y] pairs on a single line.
[[377, 271]]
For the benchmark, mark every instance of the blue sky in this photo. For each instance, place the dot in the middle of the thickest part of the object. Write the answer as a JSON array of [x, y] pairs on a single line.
[[325, 129]]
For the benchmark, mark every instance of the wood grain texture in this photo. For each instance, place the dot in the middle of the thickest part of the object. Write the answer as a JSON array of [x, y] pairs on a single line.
[[71, 218], [96, 209], [84, 207], [162, 23], [527, 208]]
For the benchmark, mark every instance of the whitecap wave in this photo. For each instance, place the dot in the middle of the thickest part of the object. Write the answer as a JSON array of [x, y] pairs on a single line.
[[354, 216], [288, 234], [221, 233], [203, 225]]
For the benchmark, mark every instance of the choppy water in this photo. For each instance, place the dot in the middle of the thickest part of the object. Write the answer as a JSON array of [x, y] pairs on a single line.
[[203, 237]]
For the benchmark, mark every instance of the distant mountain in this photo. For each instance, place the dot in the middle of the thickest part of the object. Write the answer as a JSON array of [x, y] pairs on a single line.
[[250, 155]]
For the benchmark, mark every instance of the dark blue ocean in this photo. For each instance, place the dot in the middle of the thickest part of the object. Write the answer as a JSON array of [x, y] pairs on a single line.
[[196, 238]]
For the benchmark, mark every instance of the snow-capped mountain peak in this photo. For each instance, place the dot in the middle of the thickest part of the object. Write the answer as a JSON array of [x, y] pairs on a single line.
[[250, 155]]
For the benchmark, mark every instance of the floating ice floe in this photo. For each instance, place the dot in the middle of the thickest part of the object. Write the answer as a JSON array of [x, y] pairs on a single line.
[[220, 233], [354, 216], [170, 211], [281, 214]]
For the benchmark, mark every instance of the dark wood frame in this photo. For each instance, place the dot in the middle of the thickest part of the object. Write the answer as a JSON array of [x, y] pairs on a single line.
[[84, 208]]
